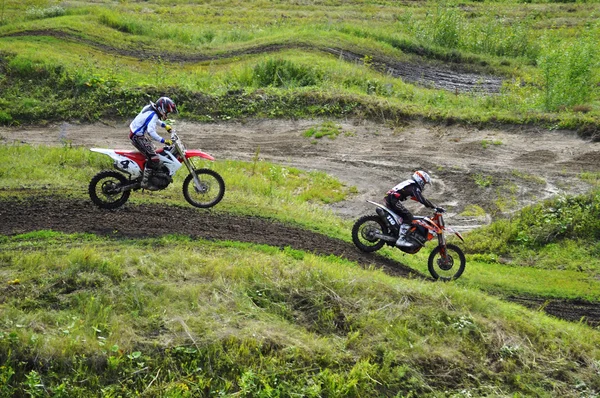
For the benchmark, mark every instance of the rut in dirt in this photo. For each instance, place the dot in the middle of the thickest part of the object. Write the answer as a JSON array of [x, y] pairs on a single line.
[[456, 79], [152, 220], [139, 221]]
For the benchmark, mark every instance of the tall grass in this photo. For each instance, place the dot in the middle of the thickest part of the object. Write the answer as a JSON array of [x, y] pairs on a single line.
[[284, 73], [92, 316], [567, 71], [446, 26]]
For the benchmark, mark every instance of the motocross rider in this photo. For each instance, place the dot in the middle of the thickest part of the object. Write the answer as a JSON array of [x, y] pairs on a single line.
[[145, 122], [412, 188]]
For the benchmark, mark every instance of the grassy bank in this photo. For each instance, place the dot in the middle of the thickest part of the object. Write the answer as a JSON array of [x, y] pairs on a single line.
[[173, 317], [221, 61]]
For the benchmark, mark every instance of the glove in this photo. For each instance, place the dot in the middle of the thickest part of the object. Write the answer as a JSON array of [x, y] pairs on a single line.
[[168, 142], [440, 209], [168, 128]]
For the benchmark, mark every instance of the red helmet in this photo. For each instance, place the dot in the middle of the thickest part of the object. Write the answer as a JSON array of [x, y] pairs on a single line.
[[164, 106]]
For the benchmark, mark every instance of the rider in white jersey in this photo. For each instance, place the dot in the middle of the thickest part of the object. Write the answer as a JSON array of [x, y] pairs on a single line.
[[146, 122]]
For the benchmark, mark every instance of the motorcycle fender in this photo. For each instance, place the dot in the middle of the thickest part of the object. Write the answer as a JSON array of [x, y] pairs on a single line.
[[121, 162], [195, 153], [455, 233]]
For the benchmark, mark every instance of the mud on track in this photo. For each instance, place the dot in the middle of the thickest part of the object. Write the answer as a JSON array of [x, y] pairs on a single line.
[[139, 221], [149, 220], [428, 74]]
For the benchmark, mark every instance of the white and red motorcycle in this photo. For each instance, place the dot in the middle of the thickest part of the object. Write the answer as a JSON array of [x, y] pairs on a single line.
[[110, 189]]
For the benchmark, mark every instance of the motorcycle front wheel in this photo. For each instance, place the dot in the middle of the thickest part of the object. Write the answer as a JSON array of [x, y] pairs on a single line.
[[364, 230], [449, 268], [104, 189], [209, 193]]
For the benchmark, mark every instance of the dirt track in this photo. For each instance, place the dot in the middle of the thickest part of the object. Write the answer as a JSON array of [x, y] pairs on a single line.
[[524, 165], [520, 166], [435, 75], [71, 216]]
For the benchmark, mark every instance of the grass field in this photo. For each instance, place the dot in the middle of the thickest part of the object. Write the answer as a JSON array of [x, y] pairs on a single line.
[[231, 59], [85, 315], [173, 316]]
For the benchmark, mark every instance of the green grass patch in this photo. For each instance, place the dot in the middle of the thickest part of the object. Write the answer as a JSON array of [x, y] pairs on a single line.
[[87, 73], [177, 317], [326, 129]]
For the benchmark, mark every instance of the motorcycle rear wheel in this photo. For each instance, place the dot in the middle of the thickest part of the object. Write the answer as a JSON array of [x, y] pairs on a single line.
[[211, 191], [102, 189], [364, 229], [447, 270]]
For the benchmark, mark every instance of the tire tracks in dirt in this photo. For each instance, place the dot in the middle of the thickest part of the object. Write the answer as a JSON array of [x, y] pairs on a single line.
[[423, 74], [70, 215]]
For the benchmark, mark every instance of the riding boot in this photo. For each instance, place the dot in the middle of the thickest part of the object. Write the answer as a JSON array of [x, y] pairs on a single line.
[[145, 177], [402, 242]]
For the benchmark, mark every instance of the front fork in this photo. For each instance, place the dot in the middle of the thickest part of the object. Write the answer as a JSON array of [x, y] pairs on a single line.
[[190, 168], [442, 244]]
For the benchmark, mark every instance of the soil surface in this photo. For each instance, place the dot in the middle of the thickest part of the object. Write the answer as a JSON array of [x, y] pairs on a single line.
[[458, 78], [498, 169], [521, 165], [76, 215]]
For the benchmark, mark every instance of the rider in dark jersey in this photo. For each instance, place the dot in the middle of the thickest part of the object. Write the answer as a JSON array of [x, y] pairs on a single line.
[[412, 189]]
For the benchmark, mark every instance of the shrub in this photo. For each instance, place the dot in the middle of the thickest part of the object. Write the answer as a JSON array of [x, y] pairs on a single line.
[[284, 73]]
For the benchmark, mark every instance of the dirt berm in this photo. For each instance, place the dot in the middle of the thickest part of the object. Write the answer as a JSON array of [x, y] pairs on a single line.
[[133, 221]]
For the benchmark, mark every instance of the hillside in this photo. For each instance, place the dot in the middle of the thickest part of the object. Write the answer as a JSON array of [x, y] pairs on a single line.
[[311, 108]]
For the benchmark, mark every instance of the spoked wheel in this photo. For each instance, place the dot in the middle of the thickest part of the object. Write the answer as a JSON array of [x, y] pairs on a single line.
[[448, 267], [104, 189], [209, 193], [364, 230]]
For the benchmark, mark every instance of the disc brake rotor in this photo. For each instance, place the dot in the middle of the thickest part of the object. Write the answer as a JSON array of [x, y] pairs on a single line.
[[445, 264], [108, 188]]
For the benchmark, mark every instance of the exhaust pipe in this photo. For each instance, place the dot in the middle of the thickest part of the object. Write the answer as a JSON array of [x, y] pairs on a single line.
[[386, 238]]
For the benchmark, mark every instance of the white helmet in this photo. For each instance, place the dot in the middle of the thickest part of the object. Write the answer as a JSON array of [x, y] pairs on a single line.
[[421, 178]]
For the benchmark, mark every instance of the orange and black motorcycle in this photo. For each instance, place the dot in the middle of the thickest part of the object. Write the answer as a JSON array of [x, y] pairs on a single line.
[[446, 262]]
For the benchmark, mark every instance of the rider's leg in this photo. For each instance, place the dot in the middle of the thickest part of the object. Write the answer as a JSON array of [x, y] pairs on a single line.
[[143, 144], [407, 217], [402, 242]]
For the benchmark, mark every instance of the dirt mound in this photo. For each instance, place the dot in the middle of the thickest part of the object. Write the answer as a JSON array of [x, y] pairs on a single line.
[[75, 215], [72, 216], [421, 73], [539, 157]]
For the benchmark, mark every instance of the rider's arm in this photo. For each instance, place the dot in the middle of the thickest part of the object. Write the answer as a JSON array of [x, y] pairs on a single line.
[[152, 129], [418, 196]]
